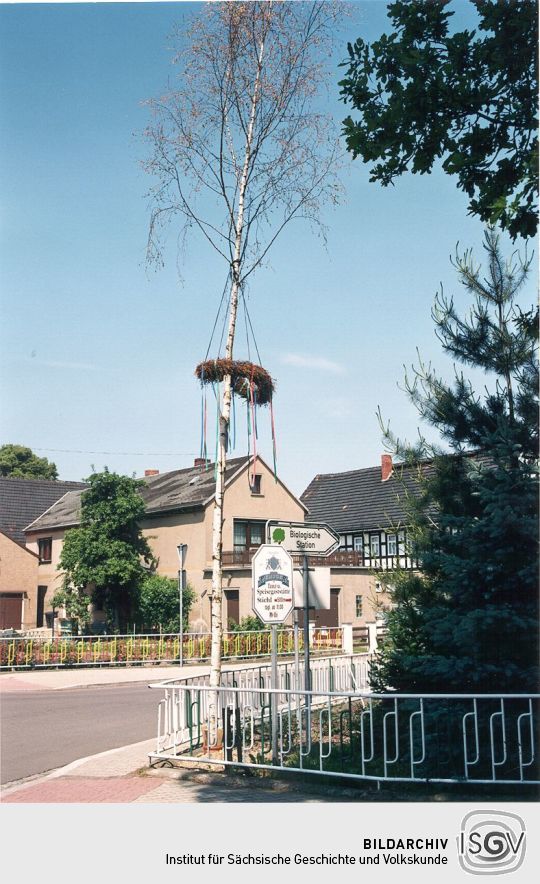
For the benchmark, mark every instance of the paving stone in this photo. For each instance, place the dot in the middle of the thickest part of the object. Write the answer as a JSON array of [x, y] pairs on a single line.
[[194, 793], [82, 790]]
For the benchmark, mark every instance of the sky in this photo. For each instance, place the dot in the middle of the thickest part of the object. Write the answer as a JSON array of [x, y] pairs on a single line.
[[98, 350]]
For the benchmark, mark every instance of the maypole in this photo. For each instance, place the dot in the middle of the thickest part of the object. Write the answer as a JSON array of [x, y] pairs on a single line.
[[224, 407]]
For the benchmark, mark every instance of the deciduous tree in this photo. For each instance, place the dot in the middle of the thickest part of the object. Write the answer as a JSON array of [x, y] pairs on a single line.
[[426, 92], [106, 554], [21, 463]]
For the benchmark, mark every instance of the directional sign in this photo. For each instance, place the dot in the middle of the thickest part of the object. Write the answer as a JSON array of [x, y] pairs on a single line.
[[308, 538], [272, 570]]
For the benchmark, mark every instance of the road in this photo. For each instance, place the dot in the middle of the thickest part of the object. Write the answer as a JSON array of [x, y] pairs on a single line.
[[43, 730]]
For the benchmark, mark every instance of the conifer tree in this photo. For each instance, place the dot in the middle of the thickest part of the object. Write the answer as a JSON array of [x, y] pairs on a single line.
[[468, 620]]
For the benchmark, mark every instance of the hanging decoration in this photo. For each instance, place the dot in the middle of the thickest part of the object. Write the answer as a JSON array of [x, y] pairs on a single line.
[[245, 376], [250, 382], [203, 454]]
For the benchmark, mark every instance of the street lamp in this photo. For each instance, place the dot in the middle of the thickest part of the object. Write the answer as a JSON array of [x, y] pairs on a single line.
[[181, 549]]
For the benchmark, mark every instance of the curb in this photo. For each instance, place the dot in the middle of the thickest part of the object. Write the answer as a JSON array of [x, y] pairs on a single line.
[[67, 769]]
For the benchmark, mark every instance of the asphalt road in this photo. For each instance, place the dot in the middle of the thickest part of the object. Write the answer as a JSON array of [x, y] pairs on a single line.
[[43, 730]]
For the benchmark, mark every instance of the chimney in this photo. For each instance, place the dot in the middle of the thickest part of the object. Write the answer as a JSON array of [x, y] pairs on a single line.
[[151, 473], [386, 467], [199, 462]]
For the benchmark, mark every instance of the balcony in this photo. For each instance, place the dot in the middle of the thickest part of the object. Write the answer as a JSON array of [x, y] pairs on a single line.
[[239, 558], [341, 559]]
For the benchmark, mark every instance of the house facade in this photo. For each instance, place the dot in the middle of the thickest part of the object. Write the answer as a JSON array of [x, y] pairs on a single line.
[[18, 585], [368, 509], [22, 598], [179, 510]]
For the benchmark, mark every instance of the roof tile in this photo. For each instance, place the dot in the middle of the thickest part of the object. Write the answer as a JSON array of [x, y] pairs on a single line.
[[23, 500], [164, 492]]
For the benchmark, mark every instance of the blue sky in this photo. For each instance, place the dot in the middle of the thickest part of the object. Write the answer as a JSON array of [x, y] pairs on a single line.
[[98, 351]]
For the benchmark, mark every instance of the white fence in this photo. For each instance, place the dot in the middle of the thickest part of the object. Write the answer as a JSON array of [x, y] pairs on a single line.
[[180, 713], [341, 730]]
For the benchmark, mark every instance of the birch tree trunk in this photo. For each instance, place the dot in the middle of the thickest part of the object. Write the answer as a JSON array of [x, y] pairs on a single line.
[[216, 615], [243, 132]]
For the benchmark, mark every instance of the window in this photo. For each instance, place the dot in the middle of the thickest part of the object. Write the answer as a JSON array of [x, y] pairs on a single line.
[[359, 605], [256, 484], [351, 542], [45, 550], [375, 544], [247, 534], [391, 545]]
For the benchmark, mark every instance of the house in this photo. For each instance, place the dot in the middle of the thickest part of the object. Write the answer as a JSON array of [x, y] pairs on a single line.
[[18, 584], [21, 501], [179, 509], [368, 509]]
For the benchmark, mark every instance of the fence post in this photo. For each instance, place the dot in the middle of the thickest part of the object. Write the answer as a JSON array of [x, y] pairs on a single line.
[[347, 638], [372, 637]]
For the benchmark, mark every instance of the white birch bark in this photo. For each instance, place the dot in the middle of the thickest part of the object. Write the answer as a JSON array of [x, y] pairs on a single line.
[[216, 614], [245, 133]]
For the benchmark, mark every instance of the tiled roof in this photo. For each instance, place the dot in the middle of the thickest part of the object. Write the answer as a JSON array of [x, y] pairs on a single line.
[[23, 500], [165, 492], [359, 500]]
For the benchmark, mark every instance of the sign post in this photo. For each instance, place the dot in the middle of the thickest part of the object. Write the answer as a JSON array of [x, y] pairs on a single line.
[[307, 664], [272, 574], [181, 550], [305, 539]]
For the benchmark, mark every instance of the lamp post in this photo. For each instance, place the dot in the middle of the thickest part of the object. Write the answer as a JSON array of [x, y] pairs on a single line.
[[181, 549]]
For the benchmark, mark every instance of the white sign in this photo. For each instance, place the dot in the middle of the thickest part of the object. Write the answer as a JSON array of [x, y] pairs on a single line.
[[318, 588], [311, 539], [272, 574]]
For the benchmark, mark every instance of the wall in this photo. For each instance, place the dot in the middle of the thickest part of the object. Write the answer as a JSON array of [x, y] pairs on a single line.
[[274, 502], [352, 582], [18, 573]]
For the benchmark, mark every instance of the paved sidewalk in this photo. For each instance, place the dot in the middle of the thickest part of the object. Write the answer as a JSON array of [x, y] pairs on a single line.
[[61, 679], [122, 776]]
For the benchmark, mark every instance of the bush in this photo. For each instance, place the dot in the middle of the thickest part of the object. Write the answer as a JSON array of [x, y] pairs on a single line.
[[247, 624], [157, 605]]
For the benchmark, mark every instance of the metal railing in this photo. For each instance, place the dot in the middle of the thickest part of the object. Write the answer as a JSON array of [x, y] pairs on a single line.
[[342, 558], [175, 710], [454, 738], [109, 650]]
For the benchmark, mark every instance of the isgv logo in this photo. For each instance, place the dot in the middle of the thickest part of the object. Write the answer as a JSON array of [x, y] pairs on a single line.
[[491, 842]]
